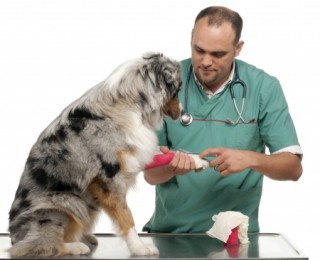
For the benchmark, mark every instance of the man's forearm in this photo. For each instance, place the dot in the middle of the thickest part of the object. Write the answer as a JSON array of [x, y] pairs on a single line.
[[282, 166]]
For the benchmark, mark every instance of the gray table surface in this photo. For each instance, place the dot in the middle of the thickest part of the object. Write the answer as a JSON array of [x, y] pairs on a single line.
[[267, 246]]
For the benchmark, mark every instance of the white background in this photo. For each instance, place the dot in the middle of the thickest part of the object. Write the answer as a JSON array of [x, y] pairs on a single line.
[[53, 51]]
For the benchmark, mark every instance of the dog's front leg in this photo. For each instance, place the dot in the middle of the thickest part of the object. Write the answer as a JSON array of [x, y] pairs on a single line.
[[116, 206], [121, 215], [136, 246]]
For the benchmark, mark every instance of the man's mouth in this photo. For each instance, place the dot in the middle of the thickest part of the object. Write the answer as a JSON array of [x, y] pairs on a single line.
[[207, 71]]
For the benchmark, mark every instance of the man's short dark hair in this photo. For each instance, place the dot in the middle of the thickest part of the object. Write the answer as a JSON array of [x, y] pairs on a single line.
[[217, 15]]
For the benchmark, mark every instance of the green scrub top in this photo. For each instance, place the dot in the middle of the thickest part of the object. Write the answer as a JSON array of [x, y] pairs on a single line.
[[187, 203]]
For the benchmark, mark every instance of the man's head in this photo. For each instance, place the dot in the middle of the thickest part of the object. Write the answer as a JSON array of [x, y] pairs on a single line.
[[217, 15], [215, 43]]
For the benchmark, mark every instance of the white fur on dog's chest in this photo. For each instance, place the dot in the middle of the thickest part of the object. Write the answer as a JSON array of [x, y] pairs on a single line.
[[145, 143]]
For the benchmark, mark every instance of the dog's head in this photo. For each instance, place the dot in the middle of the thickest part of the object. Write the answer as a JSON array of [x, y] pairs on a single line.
[[165, 76], [147, 86]]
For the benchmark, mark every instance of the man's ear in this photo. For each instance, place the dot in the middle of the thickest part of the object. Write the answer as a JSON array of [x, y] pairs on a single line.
[[191, 37], [239, 48]]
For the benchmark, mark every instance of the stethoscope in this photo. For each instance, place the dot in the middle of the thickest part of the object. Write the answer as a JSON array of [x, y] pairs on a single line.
[[186, 118]]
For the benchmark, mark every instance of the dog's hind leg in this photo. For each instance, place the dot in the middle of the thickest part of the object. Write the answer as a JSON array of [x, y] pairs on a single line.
[[44, 242], [89, 238], [46, 237]]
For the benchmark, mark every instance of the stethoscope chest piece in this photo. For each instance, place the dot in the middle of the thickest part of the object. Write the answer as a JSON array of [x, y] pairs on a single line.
[[186, 119]]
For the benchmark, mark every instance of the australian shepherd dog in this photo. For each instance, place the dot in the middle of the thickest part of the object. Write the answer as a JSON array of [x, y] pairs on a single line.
[[88, 158]]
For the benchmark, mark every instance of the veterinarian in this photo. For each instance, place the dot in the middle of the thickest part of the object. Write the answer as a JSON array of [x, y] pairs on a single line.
[[232, 129]]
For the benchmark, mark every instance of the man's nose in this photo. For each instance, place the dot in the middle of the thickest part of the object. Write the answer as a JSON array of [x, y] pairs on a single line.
[[206, 60]]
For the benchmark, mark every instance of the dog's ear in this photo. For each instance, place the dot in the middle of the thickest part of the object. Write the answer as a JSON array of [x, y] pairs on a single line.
[[152, 55], [168, 76], [153, 62], [161, 71], [151, 68], [147, 75]]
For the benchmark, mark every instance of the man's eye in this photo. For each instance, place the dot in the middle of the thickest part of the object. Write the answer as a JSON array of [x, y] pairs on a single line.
[[218, 54], [200, 51]]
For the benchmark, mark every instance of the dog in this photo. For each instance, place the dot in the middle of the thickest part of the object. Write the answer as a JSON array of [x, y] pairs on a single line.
[[85, 161]]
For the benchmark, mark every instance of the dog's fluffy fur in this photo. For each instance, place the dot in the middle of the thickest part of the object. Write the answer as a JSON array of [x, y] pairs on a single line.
[[89, 156]]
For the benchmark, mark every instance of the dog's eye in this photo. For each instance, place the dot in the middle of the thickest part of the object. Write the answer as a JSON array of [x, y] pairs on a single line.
[[175, 94]]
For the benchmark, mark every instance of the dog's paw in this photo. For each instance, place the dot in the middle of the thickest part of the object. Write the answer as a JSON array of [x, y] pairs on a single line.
[[76, 248], [145, 249]]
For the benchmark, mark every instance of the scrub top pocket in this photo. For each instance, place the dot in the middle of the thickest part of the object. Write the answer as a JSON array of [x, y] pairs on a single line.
[[244, 136]]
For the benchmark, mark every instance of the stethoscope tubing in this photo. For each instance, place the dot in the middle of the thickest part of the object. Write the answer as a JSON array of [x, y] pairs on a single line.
[[186, 118]]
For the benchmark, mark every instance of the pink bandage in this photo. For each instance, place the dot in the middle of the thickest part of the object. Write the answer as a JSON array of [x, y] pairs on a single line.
[[233, 238], [160, 160]]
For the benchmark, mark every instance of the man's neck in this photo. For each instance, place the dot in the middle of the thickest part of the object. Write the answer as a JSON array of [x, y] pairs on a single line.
[[211, 91]]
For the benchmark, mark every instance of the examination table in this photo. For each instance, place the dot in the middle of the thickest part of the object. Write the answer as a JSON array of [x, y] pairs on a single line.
[[267, 246]]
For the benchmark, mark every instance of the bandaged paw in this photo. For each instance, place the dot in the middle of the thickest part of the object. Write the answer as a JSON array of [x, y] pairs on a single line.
[[225, 222], [163, 159], [200, 163], [159, 160]]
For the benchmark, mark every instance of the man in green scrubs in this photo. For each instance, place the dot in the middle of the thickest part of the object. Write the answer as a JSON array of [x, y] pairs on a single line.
[[234, 142]]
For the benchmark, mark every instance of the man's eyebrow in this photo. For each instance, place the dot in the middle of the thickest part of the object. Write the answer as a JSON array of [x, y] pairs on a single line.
[[220, 53], [198, 47]]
